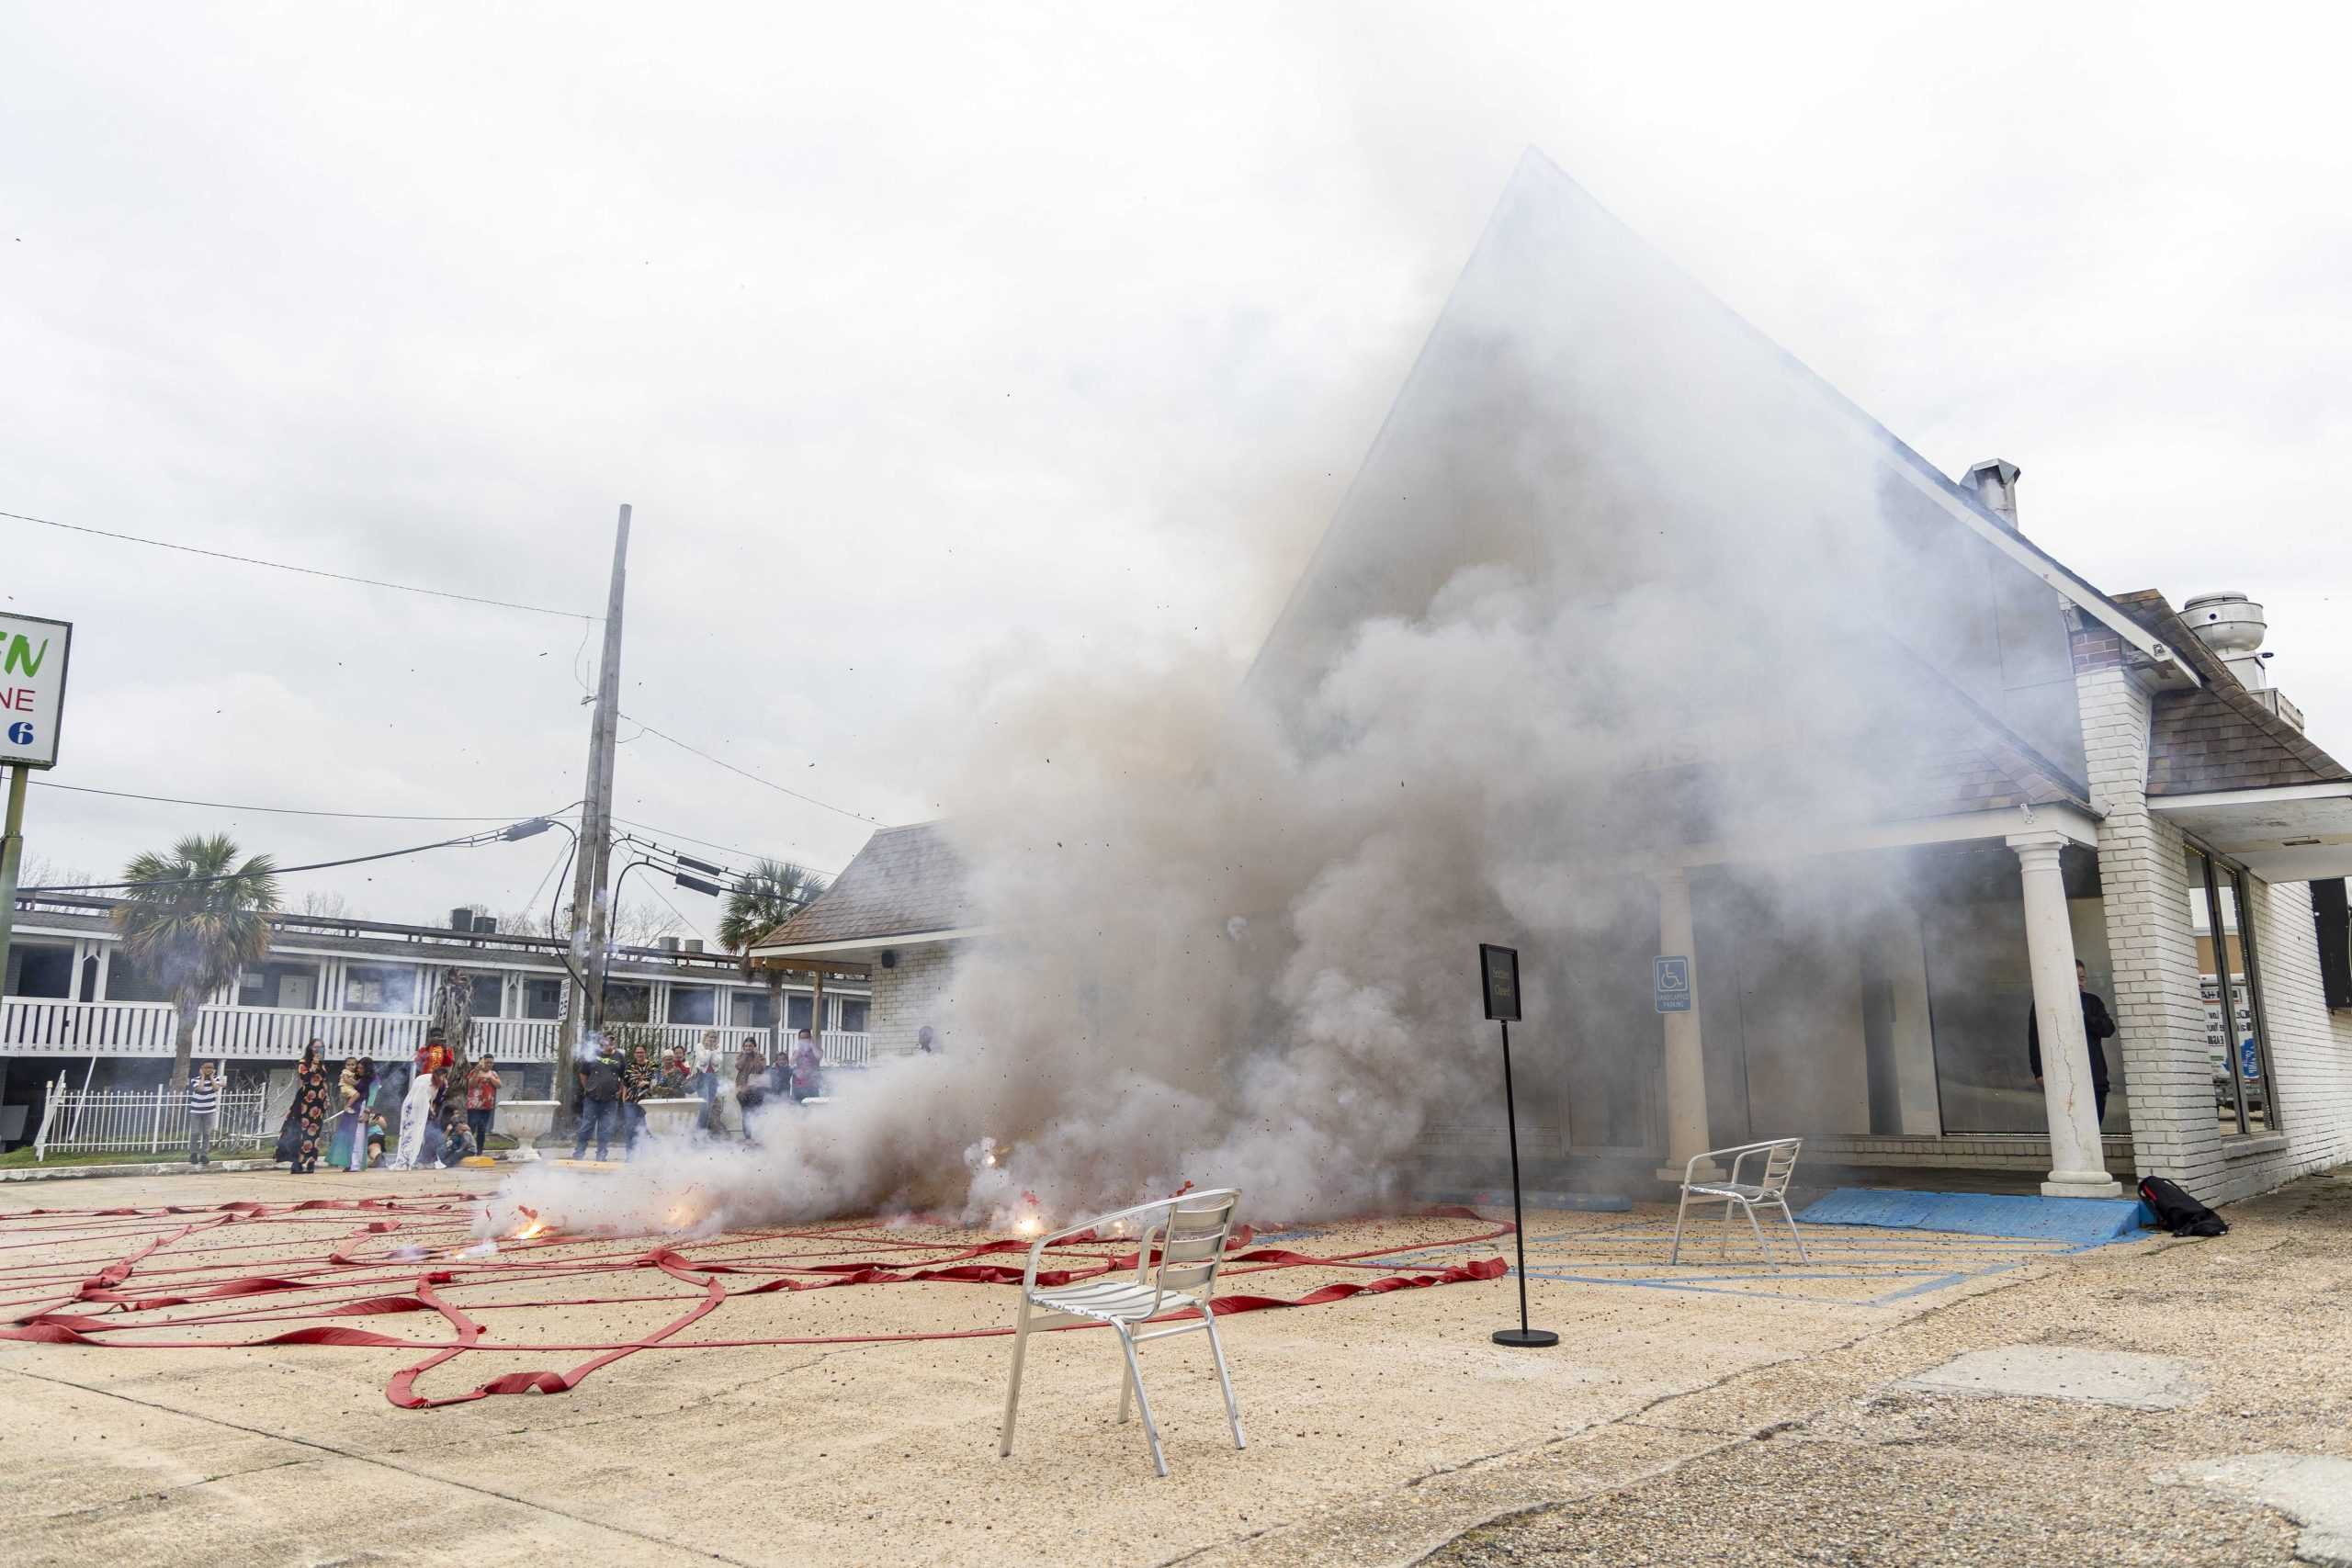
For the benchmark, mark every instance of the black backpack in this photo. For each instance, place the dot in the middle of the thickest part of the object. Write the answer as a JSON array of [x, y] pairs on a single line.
[[2177, 1211]]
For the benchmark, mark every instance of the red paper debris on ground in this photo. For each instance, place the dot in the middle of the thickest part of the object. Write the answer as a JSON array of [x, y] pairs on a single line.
[[221, 1269]]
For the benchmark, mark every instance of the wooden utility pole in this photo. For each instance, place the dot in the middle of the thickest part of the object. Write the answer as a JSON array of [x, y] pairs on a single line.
[[589, 915]]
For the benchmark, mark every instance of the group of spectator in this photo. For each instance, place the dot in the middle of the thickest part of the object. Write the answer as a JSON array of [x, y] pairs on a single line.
[[616, 1083], [436, 1108]]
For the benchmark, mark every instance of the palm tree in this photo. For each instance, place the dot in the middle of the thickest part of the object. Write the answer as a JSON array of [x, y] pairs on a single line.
[[197, 918], [763, 899]]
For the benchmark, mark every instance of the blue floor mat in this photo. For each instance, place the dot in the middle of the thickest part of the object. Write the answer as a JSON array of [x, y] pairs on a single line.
[[2082, 1222]]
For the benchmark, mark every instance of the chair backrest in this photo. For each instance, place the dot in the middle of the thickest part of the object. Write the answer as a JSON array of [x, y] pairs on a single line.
[[1192, 1242], [1780, 1164]]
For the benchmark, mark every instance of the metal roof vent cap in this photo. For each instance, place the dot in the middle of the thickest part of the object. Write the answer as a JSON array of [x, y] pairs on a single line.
[[1995, 481], [2234, 626]]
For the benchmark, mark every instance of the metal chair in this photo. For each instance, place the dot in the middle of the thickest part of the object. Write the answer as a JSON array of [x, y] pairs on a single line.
[[1769, 1191], [1191, 1249]]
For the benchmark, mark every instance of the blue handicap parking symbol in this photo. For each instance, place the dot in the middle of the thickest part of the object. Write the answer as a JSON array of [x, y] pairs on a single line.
[[1671, 986]]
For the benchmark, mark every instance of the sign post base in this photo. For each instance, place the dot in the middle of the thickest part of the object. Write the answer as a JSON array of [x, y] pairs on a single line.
[[1526, 1338]]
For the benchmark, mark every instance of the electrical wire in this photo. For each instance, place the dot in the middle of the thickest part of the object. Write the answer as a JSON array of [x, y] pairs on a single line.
[[471, 841], [746, 772], [280, 810], [305, 570]]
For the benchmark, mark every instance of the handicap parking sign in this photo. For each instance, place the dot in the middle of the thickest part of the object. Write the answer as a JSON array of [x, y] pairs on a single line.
[[1671, 985], [2249, 1060]]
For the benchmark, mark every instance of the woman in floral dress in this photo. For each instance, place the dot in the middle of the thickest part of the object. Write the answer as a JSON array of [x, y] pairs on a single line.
[[310, 1107]]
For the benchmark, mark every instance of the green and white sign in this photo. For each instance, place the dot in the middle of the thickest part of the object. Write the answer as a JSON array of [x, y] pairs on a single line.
[[33, 656]]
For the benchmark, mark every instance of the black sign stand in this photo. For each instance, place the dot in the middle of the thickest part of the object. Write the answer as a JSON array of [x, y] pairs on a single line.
[[1499, 977]]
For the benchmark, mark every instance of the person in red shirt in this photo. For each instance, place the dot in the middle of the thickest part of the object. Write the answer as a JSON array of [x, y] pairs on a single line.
[[482, 1101]]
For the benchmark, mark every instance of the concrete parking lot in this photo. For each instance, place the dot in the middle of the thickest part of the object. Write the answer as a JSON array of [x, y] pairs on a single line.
[[1383, 1427]]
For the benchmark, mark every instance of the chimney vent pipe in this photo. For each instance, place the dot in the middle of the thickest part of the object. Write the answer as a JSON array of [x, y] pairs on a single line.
[[1995, 481]]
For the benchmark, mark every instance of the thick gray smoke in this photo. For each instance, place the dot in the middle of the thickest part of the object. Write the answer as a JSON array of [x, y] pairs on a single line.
[[1617, 579]]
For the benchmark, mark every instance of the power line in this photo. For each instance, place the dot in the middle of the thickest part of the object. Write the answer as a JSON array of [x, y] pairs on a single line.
[[515, 830], [730, 849], [280, 810], [305, 570], [780, 789]]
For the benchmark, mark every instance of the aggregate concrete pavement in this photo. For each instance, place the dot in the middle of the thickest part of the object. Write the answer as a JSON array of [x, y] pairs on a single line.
[[1383, 1429]]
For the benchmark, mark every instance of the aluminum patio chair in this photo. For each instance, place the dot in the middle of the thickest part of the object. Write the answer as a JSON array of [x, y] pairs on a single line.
[[1777, 1161], [1190, 1233]]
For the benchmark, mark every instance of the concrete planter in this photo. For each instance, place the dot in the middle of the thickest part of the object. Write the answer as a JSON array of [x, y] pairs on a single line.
[[525, 1121], [671, 1118]]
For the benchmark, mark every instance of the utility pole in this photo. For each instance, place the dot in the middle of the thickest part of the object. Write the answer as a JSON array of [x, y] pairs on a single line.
[[589, 914], [12, 850]]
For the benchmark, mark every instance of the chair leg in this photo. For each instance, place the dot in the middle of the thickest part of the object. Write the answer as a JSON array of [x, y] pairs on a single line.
[[1749, 1210], [1723, 1248], [1224, 1379], [1143, 1401], [1679, 1210], [1013, 1389], [1129, 1384], [1795, 1234]]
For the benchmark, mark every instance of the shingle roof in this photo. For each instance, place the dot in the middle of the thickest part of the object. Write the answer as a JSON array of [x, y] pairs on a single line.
[[2219, 736], [905, 880]]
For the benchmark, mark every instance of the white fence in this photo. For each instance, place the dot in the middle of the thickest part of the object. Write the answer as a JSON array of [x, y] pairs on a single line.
[[32, 1026], [116, 1121]]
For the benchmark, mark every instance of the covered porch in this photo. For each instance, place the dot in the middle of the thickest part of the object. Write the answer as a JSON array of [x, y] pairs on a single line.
[[1868, 990]]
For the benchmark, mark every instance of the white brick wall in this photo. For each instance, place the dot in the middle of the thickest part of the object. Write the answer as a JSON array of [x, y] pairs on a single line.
[[2159, 1015], [920, 991]]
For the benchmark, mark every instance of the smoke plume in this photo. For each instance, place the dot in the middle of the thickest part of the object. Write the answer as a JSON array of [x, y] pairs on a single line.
[[1617, 582]]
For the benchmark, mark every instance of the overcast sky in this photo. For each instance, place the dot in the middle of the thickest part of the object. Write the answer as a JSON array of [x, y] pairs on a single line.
[[932, 341]]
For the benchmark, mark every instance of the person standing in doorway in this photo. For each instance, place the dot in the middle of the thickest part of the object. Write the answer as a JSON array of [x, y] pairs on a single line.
[[203, 1114], [2097, 1026]]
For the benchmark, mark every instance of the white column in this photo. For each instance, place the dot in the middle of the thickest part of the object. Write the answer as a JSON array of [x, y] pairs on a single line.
[[2078, 1162], [1686, 1066]]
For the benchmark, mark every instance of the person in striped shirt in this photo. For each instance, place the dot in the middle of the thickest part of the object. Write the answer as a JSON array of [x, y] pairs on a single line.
[[203, 1113]]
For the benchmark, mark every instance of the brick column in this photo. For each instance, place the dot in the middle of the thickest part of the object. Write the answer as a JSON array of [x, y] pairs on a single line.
[[2143, 883]]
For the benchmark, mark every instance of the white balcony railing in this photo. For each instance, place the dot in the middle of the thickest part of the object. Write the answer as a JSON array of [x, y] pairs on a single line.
[[35, 1026], [32, 1026]]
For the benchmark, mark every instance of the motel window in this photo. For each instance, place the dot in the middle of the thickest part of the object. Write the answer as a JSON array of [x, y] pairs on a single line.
[[626, 1003], [490, 996], [750, 1009], [2236, 1048], [542, 998], [378, 988], [853, 1015], [796, 1012], [694, 1004]]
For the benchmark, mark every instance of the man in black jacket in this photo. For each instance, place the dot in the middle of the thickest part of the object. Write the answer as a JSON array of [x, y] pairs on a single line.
[[2097, 1026]]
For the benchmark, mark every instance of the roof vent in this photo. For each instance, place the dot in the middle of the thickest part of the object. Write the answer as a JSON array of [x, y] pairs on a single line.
[[2233, 626], [694, 944], [1995, 481]]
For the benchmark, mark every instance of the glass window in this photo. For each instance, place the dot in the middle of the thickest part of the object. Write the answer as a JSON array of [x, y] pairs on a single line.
[[490, 996], [378, 988], [2236, 1052], [543, 998], [751, 1010], [853, 1015], [796, 1012], [626, 1003], [694, 1004]]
